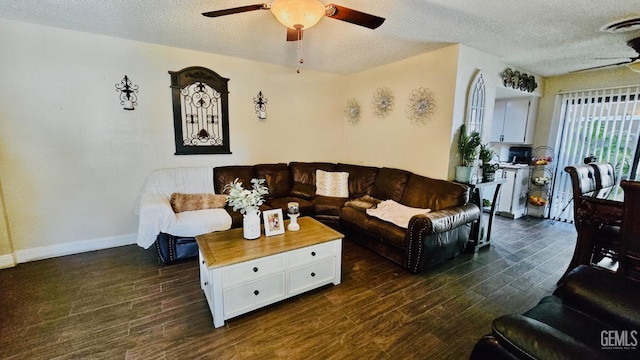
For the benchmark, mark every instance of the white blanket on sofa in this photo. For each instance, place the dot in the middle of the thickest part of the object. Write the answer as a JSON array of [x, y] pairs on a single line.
[[155, 212], [396, 213]]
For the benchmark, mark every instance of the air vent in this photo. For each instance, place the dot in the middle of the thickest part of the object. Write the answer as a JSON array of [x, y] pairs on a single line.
[[622, 26]]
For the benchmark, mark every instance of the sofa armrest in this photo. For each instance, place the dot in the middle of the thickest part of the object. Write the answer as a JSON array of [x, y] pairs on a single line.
[[437, 222], [450, 218], [154, 209], [441, 221], [529, 338], [602, 293], [489, 348]]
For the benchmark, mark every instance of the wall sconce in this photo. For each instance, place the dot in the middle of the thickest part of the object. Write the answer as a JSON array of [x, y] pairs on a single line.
[[127, 92], [260, 106]]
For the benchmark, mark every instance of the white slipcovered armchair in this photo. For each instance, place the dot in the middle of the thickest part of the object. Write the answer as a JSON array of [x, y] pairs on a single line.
[[156, 214]]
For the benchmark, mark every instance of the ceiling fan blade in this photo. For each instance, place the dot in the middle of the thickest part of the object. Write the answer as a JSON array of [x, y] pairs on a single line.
[[236, 10], [611, 58], [604, 66], [353, 16], [294, 34]]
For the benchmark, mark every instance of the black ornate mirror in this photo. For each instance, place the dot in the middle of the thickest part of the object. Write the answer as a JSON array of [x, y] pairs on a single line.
[[200, 111]]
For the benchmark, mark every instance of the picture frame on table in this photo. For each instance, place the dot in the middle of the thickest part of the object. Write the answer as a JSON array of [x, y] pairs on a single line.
[[273, 222]]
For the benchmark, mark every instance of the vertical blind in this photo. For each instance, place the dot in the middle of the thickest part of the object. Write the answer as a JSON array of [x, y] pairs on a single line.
[[604, 123]]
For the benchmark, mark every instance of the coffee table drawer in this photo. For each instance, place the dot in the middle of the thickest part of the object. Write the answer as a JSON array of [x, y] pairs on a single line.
[[250, 270], [312, 253], [255, 294], [312, 275]]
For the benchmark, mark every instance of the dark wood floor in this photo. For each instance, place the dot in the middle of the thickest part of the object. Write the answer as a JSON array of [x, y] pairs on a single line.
[[121, 304]]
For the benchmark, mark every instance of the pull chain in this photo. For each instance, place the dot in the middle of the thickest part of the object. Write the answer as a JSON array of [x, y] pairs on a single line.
[[300, 59]]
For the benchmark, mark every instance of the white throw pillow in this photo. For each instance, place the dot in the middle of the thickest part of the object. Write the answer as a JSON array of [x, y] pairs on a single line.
[[335, 184]]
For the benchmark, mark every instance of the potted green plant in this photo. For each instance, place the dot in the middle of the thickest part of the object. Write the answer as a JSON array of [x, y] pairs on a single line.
[[468, 148], [488, 169]]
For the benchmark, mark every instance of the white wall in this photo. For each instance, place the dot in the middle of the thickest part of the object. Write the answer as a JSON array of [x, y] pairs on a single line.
[[73, 161], [469, 62], [393, 141], [6, 248]]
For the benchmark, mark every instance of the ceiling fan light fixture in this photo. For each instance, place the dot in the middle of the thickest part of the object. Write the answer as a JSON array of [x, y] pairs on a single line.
[[296, 14], [622, 26], [634, 66]]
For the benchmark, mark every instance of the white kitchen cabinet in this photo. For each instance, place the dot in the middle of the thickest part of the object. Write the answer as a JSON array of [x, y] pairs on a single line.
[[514, 121], [513, 194]]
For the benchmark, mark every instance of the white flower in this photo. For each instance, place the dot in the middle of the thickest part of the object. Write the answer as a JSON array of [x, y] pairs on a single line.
[[243, 199]]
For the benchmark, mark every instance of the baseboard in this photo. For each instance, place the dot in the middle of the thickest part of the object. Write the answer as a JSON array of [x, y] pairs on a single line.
[[7, 261], [46, 252]]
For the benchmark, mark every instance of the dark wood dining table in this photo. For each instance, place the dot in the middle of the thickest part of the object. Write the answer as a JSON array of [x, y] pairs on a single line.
[[597, 209]]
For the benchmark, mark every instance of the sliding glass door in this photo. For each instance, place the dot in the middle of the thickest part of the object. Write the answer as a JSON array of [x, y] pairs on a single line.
[[603, 123]]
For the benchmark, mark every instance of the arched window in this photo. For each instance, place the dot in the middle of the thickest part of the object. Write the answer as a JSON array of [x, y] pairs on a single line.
[[475, 103]]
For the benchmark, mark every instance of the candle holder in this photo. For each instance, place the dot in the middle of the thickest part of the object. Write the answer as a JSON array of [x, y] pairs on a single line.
[[260, 103], [293, 212], [127, 92]]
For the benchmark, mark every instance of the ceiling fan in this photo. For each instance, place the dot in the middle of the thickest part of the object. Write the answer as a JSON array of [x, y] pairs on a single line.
[[297, 15], [631, 62]]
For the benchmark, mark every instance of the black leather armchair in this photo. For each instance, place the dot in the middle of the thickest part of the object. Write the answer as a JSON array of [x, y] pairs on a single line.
[[594, 314]]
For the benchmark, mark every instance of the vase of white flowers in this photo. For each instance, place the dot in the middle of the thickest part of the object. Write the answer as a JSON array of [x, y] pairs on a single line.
[[247, 201]]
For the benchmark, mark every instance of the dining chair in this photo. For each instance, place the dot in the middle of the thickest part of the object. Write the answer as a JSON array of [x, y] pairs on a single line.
[[605, 174], [629, 252], [584, 180]]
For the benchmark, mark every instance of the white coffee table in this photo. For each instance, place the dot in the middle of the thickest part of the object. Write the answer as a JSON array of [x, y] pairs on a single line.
[[238, 275]]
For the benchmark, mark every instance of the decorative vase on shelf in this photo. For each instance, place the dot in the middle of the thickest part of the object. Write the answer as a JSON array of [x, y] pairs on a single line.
[[251, 224], [463, 174]]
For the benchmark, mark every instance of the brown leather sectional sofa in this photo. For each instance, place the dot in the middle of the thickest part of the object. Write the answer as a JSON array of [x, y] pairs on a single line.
[[429, 239]]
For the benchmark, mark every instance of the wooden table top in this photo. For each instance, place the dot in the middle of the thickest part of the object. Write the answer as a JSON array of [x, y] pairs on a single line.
[[224, 248]]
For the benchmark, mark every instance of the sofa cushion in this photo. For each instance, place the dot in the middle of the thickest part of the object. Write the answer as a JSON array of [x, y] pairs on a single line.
[[363, 203], [355, 217], [390, 184], [361, 178], [305, 172], [387, 232], [306, 207], [191, 202], [224, 175], [434, 194], [277, 178], [327, 205], [594, 290], [334, 184], [304, 191], [396, 213], [576, 324]]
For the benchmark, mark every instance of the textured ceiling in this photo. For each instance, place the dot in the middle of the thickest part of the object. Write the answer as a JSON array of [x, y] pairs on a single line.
[[546, 37]]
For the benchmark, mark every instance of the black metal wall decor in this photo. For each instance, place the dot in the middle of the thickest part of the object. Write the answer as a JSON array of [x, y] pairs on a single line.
[[518, 81], [200, 111], [260, 103], [127, 92]]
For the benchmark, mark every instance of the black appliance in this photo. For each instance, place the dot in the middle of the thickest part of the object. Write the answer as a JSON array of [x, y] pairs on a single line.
[[519, 155]]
